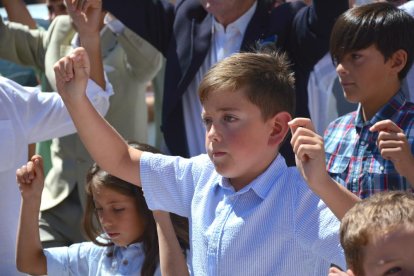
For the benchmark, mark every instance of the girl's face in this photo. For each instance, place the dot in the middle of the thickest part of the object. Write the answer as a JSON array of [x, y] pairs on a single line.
[[118, 215]]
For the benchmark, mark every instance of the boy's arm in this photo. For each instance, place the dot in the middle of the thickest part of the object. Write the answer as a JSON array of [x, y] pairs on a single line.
[[104, 144], [310, 160], [172, 259], [29, 252], [394, 146], [18, 12]]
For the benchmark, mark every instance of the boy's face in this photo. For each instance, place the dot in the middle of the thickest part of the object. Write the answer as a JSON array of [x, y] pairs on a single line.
[[365, 76], [237, 137], [392, 254]]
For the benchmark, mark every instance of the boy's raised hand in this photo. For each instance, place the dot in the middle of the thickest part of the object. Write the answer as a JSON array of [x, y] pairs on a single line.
[[310, 160], [72, 74], [394, 146], [309, 151], [30, 178]]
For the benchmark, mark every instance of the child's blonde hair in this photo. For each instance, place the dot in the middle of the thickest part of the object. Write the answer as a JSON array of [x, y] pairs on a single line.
[[371, 218], [267, 76]]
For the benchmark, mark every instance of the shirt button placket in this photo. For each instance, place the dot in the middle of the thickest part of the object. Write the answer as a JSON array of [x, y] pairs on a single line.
[[214, 244]]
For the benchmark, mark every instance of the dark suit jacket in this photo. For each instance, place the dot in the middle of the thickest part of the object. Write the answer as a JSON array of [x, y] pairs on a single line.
[[183, 35]]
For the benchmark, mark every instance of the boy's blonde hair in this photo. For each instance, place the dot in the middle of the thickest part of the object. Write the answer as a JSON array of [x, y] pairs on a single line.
[[266, 75], [372, 218]]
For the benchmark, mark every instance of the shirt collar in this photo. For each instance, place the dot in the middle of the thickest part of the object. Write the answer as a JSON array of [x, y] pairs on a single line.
[[391, 108], [261, 184], [115, 250], [240, 24]]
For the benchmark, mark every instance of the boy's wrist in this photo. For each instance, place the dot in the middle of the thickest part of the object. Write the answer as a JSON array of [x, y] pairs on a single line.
[[319, 184], [32, 201], [89, 37], [73, 101]]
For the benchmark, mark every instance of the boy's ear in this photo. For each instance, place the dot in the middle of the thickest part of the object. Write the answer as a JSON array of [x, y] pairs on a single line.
[[398, 60], [279, 128]]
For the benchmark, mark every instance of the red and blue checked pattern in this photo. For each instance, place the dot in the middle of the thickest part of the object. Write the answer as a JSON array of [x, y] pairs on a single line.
[[352, 156]]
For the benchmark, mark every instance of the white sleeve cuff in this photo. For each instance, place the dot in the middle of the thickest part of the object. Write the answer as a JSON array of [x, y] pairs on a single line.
[[116, 26], [99, 97]]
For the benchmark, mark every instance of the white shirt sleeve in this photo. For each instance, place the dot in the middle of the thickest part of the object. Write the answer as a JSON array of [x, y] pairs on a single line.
[[321, 100], [408, 7], [44, 115], [116, 26]]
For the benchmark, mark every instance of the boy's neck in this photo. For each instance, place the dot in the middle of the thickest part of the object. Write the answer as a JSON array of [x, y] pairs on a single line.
[[372, 106], [241, 182]]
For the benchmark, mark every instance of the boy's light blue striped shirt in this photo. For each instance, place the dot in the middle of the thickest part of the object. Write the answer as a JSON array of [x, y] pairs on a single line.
[[273, 226]]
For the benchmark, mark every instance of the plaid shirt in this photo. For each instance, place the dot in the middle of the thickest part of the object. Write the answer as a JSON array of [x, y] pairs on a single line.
[[352, 156]]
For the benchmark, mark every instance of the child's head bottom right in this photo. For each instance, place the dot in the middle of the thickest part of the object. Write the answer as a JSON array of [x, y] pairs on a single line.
[[377, 235]]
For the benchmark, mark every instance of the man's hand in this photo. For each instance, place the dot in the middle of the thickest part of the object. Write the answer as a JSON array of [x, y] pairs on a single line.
[[394, 146], [87, 15], [72, 74], [30, 178]]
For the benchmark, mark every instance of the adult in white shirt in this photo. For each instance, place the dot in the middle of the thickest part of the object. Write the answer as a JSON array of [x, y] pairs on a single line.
[[29, 116]]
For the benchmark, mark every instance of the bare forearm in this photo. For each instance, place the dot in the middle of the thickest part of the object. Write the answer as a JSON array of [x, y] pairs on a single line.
[[29, 252], [172, 260], [102, 141], [335, 196], [18, 12], [91, 43]]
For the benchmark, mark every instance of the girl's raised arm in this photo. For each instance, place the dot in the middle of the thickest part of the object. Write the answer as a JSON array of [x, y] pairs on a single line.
[[172, 259], [30, 258]]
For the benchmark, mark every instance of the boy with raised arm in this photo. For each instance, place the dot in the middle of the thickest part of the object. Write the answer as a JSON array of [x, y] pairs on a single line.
[[248, 212], [369, 150]]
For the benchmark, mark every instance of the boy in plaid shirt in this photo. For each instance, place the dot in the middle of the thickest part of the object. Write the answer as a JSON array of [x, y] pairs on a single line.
[[371, 149]]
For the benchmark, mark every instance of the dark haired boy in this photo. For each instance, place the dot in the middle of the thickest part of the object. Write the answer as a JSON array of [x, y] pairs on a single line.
[[369, 150]]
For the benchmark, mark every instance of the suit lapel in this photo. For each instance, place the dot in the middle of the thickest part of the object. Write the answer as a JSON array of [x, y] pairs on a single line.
[[194, 56], [258, 27]]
